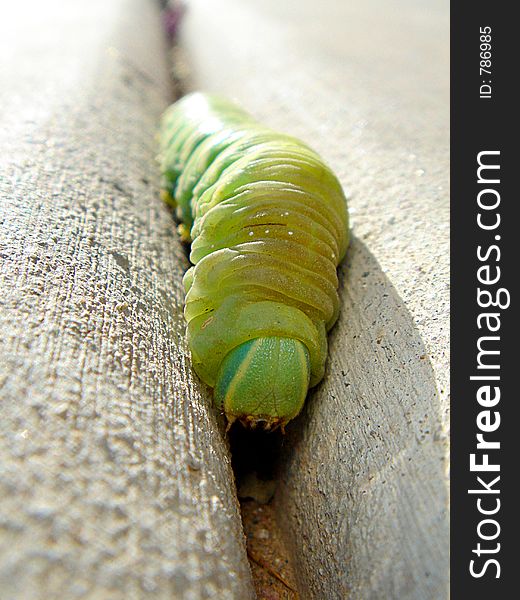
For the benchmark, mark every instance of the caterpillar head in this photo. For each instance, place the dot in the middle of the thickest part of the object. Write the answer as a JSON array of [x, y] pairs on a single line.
[[264, 382]]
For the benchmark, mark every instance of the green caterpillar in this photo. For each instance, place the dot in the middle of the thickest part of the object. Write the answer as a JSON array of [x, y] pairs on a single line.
[[268, 225]]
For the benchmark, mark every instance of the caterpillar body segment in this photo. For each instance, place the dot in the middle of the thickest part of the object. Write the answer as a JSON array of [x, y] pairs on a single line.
[[242, 374], [268, 225]]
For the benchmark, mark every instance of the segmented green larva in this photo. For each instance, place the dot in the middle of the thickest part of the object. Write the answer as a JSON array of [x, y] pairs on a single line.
[[268, 225]]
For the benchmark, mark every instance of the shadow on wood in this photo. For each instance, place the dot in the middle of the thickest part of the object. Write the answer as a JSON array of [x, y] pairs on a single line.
[[363, 490]]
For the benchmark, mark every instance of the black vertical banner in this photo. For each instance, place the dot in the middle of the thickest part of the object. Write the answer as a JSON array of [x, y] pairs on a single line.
[[485, 259]]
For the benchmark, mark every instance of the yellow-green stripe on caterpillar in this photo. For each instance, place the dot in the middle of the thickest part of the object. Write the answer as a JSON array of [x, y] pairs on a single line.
[[268, 225]]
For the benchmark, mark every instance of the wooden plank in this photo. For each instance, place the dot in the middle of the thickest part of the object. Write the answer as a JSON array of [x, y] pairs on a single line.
[[115, 479], [365, 462], [364, 486]]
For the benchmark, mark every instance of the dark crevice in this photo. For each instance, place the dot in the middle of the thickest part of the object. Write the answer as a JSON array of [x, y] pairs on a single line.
[[255, 455]]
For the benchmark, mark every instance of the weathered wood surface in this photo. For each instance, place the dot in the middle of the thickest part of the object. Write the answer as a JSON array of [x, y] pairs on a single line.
[[115, 480], [364, 487]]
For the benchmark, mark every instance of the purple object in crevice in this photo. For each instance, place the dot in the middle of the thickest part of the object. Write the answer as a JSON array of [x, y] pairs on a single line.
[[172, 16]]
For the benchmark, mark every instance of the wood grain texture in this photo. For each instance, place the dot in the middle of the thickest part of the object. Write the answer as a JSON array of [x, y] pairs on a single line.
[[365, 461], [363, 494], [115, 480]]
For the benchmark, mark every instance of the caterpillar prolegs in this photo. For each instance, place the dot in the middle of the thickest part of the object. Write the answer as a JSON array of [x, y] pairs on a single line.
[[268, 225]]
